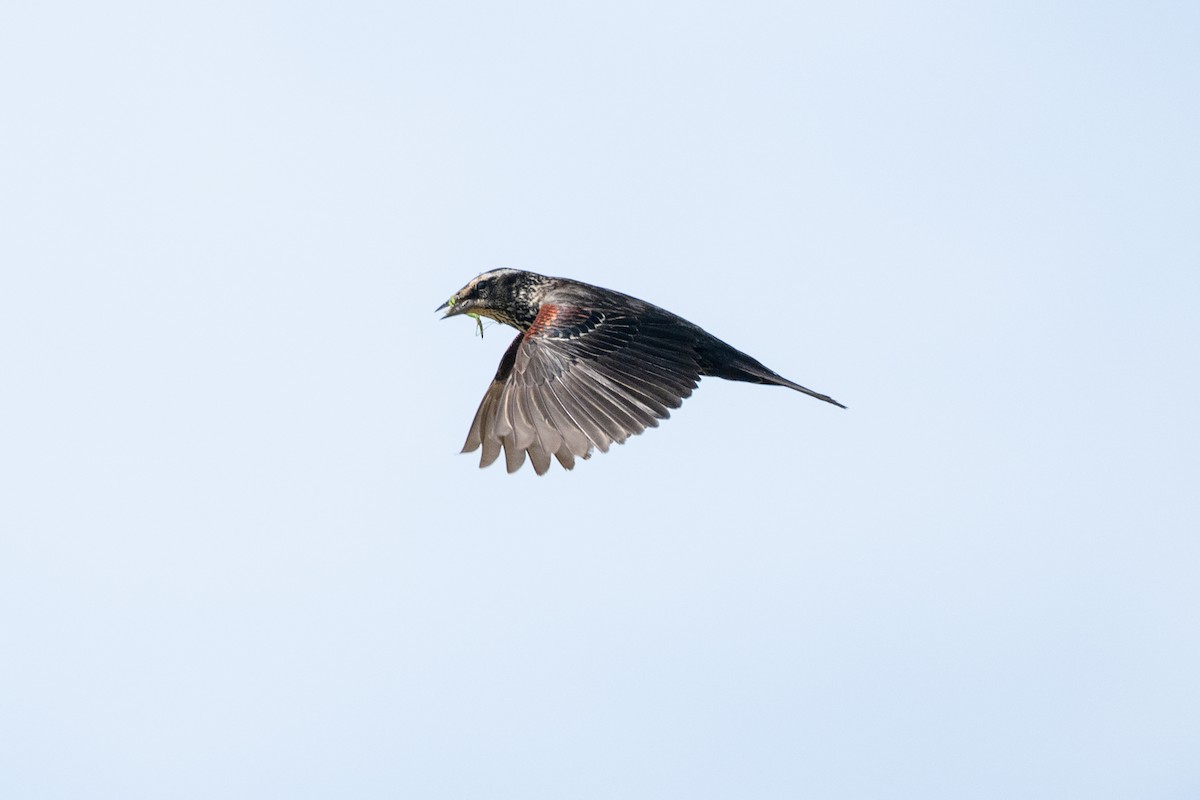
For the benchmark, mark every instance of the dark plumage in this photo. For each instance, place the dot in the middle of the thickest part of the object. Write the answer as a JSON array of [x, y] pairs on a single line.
[[589, 367]]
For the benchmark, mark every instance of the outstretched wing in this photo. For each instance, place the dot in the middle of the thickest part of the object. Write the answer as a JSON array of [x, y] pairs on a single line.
[[580, 379]]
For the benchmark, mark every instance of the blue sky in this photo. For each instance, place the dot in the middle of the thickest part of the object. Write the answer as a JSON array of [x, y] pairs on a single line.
[[241, 556]]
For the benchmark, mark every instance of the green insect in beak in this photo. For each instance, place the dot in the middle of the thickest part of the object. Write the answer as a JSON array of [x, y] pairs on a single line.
[[478, 319]]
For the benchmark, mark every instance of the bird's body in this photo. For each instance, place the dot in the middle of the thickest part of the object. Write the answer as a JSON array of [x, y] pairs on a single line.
[[590, 367]]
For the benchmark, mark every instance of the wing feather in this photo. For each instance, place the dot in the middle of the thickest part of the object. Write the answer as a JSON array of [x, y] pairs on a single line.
[[581, 379]]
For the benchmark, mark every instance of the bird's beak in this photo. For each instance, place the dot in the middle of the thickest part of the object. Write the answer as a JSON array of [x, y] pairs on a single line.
[[450, 305]]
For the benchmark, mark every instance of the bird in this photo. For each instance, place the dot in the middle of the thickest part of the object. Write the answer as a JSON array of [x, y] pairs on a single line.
[[589, 367]]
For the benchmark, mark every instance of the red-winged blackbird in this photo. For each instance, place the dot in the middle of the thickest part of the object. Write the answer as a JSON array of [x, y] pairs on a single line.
[[589, 368]]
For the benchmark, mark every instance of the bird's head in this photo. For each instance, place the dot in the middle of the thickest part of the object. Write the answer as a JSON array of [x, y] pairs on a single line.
[[506, 295]]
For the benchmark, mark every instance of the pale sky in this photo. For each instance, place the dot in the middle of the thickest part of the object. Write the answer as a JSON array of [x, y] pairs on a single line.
[[242, 558]]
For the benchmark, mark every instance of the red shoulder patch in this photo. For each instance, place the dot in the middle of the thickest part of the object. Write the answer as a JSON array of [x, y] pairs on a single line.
[[563, 322], [544, 319]]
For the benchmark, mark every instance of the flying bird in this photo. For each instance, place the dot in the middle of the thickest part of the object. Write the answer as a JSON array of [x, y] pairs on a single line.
[[589, 367]]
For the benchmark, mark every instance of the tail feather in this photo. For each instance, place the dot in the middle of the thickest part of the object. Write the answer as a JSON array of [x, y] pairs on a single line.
[[781, 381], [735, 365]]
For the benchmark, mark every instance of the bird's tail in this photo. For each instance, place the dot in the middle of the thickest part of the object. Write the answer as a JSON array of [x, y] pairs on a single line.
[[735, 365]]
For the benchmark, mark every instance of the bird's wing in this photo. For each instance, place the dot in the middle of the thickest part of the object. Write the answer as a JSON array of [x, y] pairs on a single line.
[[581, 378]]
